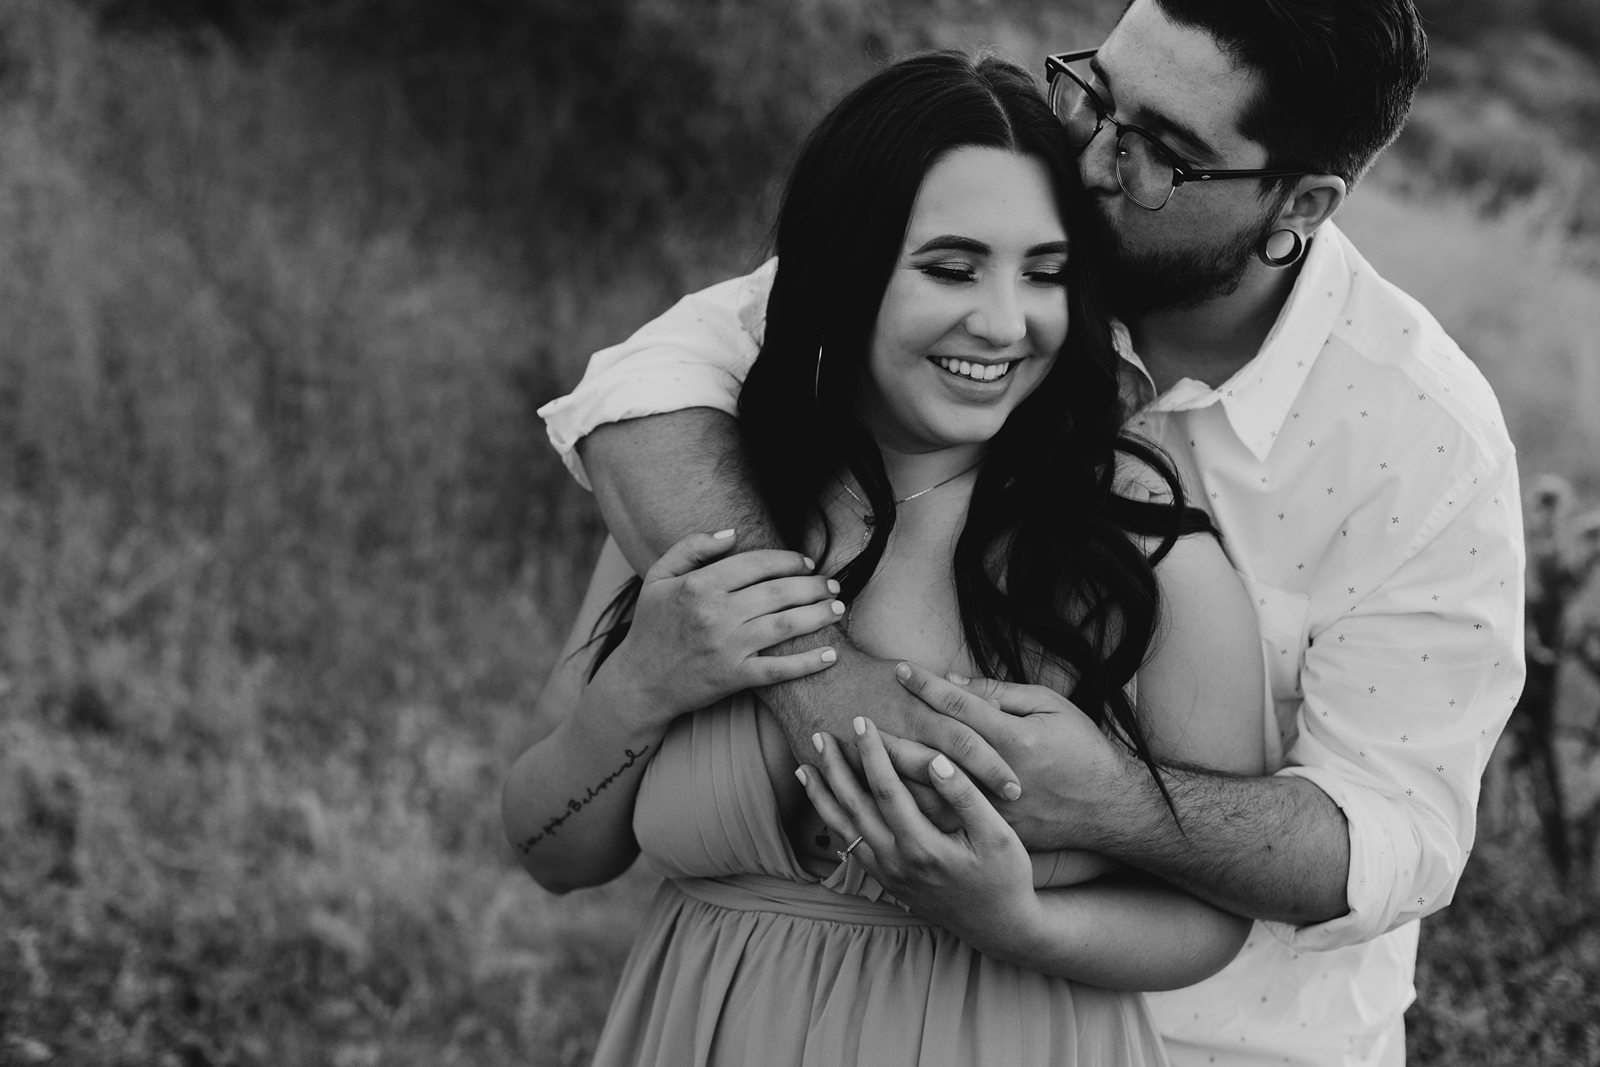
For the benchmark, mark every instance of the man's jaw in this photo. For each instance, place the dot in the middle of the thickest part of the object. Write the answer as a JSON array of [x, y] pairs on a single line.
[[1141, 283]]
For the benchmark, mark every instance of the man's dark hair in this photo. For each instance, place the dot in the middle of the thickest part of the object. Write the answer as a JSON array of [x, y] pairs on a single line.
[[1336, 75]]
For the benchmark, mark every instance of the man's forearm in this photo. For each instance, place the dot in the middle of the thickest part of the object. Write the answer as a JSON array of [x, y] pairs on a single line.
[[660, 478], [1273, 848]]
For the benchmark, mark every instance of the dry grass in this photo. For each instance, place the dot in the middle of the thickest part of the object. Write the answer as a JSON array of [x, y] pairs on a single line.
[[1507, 289]]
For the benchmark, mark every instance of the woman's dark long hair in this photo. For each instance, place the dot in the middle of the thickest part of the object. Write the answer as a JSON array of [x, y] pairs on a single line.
[[1049, 568], [1052, 571]]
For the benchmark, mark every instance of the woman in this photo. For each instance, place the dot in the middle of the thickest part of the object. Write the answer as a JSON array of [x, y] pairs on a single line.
[[928, 420]]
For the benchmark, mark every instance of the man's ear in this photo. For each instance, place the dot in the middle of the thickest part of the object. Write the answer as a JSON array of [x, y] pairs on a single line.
[[1312, 202]]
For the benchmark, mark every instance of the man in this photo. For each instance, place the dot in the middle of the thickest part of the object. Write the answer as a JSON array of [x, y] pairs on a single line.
[[1355, 461]]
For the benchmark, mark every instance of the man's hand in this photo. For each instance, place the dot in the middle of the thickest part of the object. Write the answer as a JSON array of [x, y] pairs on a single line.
[[1080, 788], [859, 684], [1263, 846]]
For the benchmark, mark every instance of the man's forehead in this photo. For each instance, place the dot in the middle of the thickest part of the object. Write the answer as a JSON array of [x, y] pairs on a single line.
[[1158, 68]]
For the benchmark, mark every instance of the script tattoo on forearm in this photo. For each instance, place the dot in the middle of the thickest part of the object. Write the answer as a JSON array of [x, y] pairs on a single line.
[[578, 803]]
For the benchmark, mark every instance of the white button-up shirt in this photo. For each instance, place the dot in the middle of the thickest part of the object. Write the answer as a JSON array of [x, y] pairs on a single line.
[[1366, 489]]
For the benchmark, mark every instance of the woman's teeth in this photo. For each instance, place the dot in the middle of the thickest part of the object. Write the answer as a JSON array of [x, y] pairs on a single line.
[[978, 372]]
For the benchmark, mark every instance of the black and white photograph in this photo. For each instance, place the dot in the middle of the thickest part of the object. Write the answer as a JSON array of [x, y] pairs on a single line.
[[799, 533]]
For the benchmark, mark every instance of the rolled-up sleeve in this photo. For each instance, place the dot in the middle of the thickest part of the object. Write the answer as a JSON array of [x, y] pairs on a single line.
[[696, 354], [1404, 698]]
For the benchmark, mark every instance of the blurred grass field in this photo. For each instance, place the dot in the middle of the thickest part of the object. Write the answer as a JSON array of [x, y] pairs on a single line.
[[283, 554]]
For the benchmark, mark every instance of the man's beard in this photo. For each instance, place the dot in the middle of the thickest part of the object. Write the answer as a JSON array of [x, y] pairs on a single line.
[[1141, 282]]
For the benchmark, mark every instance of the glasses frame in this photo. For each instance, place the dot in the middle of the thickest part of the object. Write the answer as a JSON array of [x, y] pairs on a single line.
[[1055, 67]]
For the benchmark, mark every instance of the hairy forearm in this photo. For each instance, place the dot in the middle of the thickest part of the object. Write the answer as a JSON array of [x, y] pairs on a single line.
[[1274, 848], [821, 702], [660, 478], [1132, 933]]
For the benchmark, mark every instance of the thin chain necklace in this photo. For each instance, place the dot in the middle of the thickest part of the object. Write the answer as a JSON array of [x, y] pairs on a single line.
[[868, 518]]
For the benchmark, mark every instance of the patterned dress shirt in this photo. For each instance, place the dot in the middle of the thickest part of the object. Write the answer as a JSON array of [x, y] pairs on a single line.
[[1366, 488]]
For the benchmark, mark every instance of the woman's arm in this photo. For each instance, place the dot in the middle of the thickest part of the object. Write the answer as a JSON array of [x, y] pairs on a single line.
[[1127, 931], [1123, 931], [564, 687], [699, 627], [1202, 693], [1202, 702], [572, 719]]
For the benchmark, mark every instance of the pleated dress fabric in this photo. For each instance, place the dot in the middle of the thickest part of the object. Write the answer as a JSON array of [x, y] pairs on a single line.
[[744, 958]]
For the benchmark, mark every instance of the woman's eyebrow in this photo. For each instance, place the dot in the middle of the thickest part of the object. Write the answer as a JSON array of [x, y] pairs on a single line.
[[949, 242]]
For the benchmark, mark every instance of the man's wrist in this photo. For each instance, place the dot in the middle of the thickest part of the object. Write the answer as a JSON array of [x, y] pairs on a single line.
[[818, 702], [833, 634], [1133, 812], [788, 698]]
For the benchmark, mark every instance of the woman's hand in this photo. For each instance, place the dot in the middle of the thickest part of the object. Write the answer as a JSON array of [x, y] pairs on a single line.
[[976, 881], [703, 618]]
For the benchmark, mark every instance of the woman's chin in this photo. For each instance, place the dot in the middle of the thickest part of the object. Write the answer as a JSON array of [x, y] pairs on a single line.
[[962, 430]]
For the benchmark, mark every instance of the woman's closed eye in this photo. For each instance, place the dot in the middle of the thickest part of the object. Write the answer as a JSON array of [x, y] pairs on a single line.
[[949, 271], [1053, 272]]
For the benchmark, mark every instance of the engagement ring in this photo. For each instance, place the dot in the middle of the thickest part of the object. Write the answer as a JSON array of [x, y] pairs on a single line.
[[844, 853]]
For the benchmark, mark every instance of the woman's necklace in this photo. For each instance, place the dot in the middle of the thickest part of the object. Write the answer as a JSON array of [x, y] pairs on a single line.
[[868, 518]]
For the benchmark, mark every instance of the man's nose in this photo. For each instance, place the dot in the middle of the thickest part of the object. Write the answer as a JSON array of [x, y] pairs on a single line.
[[1097, 161]]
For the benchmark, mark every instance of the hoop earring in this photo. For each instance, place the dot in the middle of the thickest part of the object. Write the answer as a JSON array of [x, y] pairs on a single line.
[[1297, 247], [816, 381]]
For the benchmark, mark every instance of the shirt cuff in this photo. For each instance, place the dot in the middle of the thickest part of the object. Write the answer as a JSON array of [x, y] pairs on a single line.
[[674, 382], [1382, 868]]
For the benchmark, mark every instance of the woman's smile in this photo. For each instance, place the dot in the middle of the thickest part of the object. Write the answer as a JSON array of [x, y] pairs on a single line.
[[974, 370]]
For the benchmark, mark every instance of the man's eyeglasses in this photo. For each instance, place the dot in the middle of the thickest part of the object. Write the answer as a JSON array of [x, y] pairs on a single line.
[[1148, 171]]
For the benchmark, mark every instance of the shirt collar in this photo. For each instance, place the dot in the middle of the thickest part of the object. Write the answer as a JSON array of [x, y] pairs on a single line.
[[1258, 397]]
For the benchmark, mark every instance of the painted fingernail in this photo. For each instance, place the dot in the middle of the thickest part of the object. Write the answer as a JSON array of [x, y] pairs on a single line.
[[959, 679], [829, 655], [902, 671], [1011, 790], [800, 773], [838, 607], [941, 767], [723, 535], [861, 726], [810, 563], [816, 741], [833, 587]]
